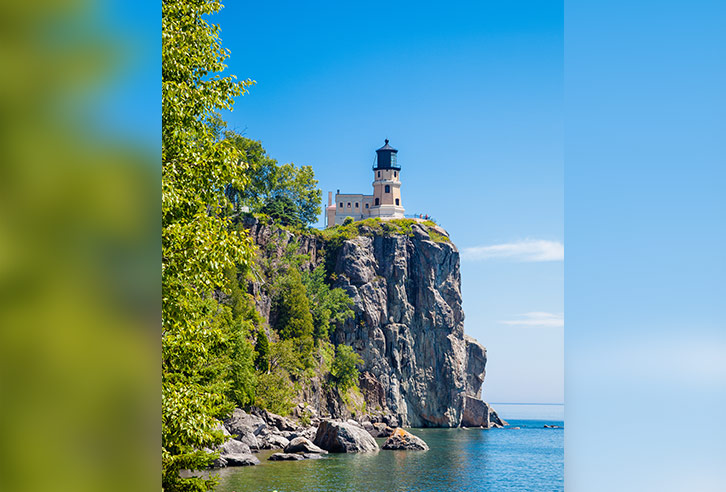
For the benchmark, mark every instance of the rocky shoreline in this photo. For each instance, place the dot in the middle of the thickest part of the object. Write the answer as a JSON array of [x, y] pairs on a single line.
[[258, 430]]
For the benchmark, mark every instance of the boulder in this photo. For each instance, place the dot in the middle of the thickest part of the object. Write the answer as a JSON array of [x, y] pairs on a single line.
[[378, 429], [229, 448], [273, 441], [402, 440], [308, 433], [282, 423], [476, 413], [303, 445], [233, 446], [241, 422], [251, 440], [286, 457], [241, 459], [339, 437], [495, 420]]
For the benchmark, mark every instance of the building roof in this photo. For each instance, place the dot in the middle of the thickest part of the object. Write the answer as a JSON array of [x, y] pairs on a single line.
[[387, 147]]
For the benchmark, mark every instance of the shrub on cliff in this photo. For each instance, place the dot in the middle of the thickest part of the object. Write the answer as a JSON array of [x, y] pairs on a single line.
[[327, 305], [344, 371], [293, 317], [262, 352]]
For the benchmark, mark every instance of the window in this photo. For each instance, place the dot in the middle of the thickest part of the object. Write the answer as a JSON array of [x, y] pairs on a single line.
[[379, 174], [388, 188], [397, 201], [341, 204], [348, 204], [395, 174], [356, 204], [366, 205], [376, 201]]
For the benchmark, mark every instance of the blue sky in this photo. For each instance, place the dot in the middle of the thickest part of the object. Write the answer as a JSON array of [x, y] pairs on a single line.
[[471, 94]]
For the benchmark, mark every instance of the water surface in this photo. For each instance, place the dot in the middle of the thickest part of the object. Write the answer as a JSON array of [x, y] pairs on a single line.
[[527, 459]]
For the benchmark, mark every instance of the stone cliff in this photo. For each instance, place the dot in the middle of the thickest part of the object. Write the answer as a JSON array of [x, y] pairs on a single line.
[[420, 370]]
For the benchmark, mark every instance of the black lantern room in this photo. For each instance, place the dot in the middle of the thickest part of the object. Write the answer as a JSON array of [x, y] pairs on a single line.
[[386, 158]]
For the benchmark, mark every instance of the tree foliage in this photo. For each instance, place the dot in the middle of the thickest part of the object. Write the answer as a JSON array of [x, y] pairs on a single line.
[[262, 352], [286, 193], [293, 317], [327, 305], [344, 371], [197, 242]]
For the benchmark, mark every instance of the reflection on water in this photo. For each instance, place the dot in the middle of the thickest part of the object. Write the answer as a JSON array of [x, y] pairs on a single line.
[[466, 460]]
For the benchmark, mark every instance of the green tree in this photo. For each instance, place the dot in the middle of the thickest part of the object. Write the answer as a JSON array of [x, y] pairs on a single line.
[[262, 352], [327, 305], [197, 242], [287, 193], [275, 392], [240, 368], [344, 370], [293, 319]]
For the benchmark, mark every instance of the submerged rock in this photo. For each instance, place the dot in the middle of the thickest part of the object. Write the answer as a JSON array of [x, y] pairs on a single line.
[[286, 457], [339, 437], [303, 445], [403, 440]]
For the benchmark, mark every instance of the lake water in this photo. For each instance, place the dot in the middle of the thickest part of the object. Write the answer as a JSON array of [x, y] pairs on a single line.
[[527, 459]]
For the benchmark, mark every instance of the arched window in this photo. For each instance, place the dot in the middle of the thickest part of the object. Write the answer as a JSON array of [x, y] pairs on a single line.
[[366, 205], [348, 204], [356, 204], [379, 174], [377, 202], [395, 174], [397, 201], [341, 204], [388, 189]]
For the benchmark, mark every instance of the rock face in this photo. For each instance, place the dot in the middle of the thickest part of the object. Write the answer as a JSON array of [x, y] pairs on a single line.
[[408, 325], [339, 437], [402, 440]]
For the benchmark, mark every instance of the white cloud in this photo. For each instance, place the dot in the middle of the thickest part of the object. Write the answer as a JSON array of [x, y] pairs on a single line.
[[537, 318], [528, 250]]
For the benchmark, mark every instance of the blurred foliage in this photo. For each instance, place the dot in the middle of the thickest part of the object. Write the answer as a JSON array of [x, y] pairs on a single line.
[[79, 247]]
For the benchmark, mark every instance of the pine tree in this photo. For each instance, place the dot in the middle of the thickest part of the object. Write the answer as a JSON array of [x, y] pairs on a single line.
[[262, 352]]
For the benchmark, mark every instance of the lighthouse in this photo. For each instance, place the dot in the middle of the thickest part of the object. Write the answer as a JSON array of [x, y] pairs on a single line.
[[387, 184], [385, 202]]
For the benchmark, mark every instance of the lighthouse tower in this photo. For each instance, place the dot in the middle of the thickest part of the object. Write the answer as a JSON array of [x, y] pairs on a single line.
[[385, 202], [386, 184]]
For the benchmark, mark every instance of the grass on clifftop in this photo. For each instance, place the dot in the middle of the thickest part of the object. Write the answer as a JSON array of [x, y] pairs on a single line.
[[377, 227]]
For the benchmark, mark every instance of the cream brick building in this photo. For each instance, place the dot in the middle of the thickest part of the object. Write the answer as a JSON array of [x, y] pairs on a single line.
[[385, 202]]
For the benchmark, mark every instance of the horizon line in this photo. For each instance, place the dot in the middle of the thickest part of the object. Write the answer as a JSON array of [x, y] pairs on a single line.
[[510, 403]]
